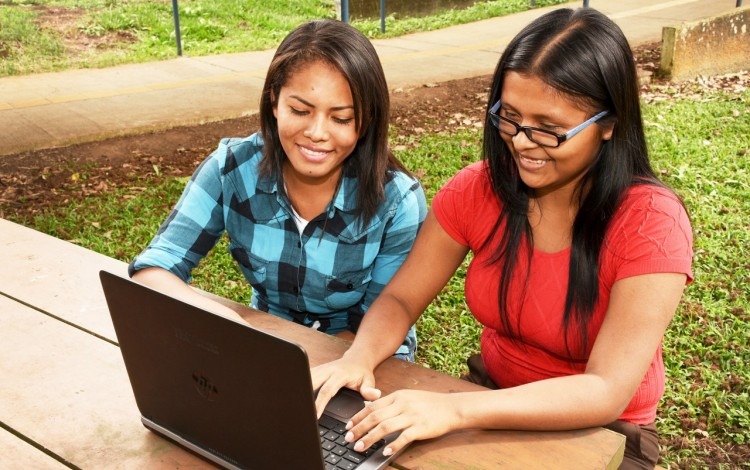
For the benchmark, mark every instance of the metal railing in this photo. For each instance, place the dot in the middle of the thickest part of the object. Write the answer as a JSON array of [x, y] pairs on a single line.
[[532, 4], [345, 10]]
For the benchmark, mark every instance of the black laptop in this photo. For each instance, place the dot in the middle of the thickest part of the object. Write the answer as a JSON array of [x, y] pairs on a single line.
[[230, 393]]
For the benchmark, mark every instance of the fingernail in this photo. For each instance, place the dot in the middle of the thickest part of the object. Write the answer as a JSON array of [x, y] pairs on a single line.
[[349, 425], [387, 451], [359, 446], [349, 437]]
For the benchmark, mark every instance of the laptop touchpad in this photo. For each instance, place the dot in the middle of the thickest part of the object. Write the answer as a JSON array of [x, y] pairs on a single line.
[[345, 404]]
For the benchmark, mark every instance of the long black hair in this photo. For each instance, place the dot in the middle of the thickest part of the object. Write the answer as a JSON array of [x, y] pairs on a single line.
[[584, 55], [351, 53]]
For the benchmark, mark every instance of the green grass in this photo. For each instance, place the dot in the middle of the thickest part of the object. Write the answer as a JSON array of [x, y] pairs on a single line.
[[699, 148], [101, 33], [23, 44]]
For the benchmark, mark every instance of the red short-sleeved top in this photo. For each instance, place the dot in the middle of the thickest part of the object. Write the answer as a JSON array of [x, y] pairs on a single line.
[[650, 233]]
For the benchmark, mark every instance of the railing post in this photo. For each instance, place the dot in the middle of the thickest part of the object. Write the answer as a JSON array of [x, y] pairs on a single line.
[[176, 14], [585, 3], [739, 3], [531, 4], [382, 16], [345, 11]]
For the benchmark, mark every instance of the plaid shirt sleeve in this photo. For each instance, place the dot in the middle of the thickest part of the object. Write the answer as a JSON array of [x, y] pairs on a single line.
[[195, 224]]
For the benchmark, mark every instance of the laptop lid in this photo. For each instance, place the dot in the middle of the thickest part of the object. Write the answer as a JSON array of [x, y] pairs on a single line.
[[238, 396]]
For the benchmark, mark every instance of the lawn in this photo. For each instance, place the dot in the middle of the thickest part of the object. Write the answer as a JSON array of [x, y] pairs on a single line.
[[52, 35]]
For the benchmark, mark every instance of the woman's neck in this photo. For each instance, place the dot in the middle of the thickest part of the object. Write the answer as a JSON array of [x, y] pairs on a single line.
[[551, 219], [310, 197]]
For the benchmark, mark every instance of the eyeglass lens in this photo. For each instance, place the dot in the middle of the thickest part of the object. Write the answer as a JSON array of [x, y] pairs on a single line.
[[538, 136]]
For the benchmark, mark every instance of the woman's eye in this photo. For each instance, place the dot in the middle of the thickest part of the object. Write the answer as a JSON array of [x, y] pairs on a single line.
[[343, 121], [550, 127], [510, 115], [298, 112]]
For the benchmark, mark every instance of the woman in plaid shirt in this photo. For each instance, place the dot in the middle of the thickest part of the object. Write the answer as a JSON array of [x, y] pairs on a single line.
[[319, 212]]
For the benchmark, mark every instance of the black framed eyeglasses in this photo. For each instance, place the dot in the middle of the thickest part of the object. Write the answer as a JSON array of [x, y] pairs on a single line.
[[541, 137]]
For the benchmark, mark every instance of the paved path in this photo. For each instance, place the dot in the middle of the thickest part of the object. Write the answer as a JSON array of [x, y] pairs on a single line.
[[57, 109]]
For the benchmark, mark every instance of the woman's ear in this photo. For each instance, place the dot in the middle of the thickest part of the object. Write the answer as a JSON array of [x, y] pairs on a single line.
[[274, 105], [608, 130]]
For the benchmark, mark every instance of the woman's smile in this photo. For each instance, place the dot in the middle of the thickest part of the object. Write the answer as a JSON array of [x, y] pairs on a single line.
[[531, 164], [313, 154]]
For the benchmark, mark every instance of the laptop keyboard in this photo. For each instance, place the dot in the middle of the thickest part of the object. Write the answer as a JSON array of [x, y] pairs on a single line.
[[337, 453]]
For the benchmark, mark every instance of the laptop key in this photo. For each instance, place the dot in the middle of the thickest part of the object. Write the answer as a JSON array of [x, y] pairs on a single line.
[[331, 436], [339, 450], [346, 465], [377, 445], [333, 459], [328, 422], [355, 457]]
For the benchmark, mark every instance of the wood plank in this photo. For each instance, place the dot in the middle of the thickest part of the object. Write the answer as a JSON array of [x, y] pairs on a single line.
[[593, 449], [16, 453], [56, 276], [69, 392]]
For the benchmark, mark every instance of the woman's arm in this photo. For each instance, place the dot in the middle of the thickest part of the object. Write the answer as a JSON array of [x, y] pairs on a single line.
[[639, 312], [164, 281], [398, 235], [428, 267]]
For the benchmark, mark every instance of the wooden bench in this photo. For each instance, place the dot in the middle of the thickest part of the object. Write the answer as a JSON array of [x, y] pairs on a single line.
[[66, 397]]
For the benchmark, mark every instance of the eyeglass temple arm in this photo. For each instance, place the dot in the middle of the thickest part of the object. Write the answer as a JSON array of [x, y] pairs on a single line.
[[583, 125]]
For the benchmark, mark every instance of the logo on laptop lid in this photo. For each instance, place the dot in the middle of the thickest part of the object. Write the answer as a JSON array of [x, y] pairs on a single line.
[[205, 387]]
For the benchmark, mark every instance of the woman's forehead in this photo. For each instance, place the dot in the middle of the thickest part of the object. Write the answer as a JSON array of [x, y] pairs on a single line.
[[530, 94]]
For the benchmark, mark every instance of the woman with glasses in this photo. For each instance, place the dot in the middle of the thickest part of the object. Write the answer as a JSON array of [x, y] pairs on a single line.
[[580, 256]]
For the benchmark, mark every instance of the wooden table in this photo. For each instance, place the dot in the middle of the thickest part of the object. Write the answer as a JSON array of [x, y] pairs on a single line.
[[65, 398]]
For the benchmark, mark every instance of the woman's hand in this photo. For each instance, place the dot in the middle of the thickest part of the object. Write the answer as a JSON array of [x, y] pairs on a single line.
[[329, 378], [417, 414]]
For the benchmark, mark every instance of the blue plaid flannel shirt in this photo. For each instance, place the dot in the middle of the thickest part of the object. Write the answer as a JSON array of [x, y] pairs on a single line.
[[325, 277]]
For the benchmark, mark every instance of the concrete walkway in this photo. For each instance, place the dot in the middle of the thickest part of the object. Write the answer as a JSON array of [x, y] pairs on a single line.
[[57, 109]]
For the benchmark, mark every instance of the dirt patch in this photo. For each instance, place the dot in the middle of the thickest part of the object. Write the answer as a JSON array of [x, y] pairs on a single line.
[[78, 36]]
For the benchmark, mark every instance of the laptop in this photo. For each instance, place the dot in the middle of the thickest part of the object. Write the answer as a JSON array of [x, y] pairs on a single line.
[[237, 396]]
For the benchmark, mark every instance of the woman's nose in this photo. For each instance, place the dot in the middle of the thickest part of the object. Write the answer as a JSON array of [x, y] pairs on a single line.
[[316, 129], [522, 141]]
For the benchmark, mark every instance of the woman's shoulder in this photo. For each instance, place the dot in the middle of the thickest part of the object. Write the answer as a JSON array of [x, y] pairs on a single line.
[[234, 152], [401, 182], [651, 196], [471, 179], [651, 208]]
